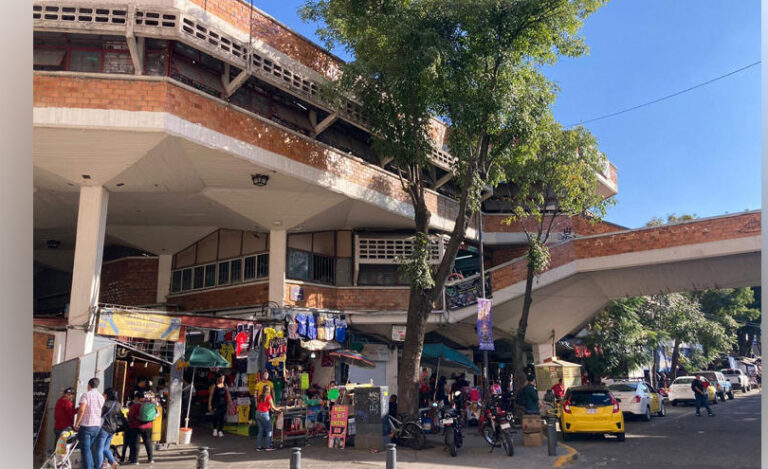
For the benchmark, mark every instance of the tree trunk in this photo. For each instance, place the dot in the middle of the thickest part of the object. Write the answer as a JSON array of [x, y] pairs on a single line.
[[675, 357], [518, 355], [419, 309]]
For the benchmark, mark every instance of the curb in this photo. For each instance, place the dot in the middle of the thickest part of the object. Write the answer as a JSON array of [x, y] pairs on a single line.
[[566, 458]]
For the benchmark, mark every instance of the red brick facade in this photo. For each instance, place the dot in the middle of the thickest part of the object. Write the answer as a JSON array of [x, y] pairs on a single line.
[[130, 282], [668, 236], [245, 295], [365, 299], [581, 226]]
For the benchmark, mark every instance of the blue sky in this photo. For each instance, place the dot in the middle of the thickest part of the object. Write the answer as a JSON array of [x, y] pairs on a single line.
[[695, 153]]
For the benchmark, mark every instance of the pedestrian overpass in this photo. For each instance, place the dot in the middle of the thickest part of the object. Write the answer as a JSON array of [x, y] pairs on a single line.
[[588, 272]]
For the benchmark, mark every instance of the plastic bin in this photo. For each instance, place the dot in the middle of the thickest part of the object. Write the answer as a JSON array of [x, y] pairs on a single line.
[[185, 436]]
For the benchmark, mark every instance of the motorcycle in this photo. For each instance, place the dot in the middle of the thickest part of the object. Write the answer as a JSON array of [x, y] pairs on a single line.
[[497, 430], [407, 432], [451, 423]]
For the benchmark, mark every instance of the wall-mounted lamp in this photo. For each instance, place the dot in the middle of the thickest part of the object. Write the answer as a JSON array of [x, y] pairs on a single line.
[[259, 180]]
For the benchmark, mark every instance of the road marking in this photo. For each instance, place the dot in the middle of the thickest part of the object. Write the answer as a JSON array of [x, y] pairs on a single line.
[[566, 458]]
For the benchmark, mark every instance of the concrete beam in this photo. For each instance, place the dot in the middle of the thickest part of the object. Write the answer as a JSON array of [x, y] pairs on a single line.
[[231, 86], [324, 124], [278, 248], [443, 180], [164, 263], [135, 47], [86, 274]]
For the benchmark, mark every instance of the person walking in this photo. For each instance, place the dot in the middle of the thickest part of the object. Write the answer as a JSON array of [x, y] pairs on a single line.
[[113, 422], [265, 404], [700, 393], [141, 414], [64, 413], [530, 397], [218, 400], [88, 421]]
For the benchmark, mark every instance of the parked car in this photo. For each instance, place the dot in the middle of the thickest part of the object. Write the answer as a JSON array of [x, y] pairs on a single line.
[[638, 398], [723, 387], [680, 390], [591, 409], [738, 379]]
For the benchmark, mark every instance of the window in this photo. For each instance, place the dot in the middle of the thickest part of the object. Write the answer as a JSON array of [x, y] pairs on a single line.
[[186, 279], [312, 257], [262, 266], [298, 264], [237, 271], [249, 269], [223, 273], [176, 281], [624, 387], [199, 277], [210, 275], [583, 399], [85, 61]]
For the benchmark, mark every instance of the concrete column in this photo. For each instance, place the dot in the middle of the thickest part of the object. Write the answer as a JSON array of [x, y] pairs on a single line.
[[175, 396], [86, 273], [164, 264], [278, 246], [541, 352], [59, 342]]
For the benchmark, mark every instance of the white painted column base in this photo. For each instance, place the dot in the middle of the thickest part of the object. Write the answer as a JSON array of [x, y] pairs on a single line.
[[278, 248]]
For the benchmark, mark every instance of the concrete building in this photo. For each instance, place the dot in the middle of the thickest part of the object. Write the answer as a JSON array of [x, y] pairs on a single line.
[[184, 160]]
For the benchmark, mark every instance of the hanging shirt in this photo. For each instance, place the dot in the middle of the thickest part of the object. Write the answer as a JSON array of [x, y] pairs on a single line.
[[330, 328], [241, 341], [227, 351], [311, 327], [321, 327], [301, 321], [341, 330]]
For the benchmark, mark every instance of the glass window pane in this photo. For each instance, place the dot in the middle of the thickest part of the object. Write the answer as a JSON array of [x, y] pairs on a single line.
[[85, 61], [199, 277], [223, 273], [186, 279], [298, 264], [249, 270], [210, 275], [116, 62], [176, 281], [262, 266], [237, 271], [155, 64]]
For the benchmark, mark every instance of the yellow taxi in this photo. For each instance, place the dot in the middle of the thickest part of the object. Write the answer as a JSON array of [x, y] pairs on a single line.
[[591, 409]]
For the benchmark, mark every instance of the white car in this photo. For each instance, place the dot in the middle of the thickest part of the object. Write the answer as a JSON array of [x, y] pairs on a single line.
[[680, 390], [737, 378], [638, 398]]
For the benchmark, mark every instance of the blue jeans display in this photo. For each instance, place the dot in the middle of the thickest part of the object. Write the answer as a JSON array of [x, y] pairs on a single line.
[[101, 449], [265, 428], [87, 436], [701, 400]]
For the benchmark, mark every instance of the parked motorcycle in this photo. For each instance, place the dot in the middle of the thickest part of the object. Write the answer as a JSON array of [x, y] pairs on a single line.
[[497, 430], [451, 422], [407, 432]]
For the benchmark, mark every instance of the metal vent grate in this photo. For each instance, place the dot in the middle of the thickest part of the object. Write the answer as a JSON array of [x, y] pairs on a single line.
[[157, 19]]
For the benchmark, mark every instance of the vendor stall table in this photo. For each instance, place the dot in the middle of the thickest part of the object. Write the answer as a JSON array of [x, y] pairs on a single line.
[[290, 425]]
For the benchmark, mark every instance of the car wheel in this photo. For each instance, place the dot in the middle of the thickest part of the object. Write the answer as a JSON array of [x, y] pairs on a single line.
[[730, 395], [621, 436], [647, 414], [662, 410], [674, 403]]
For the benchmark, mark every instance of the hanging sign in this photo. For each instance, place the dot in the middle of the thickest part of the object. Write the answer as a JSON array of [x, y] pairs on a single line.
[[338, 436], [398, 333], [139, 325], [484, 324]]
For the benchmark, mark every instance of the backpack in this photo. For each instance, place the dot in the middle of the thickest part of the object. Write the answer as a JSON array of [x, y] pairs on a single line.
[[148, 412], [114, 421]]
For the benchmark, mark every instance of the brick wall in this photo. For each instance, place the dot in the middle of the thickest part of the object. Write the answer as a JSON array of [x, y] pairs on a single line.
[[140, 95], [683, 234], [42, 356], [245, 295], [376, 299], [130, 281], [238, 13], [581, 226]]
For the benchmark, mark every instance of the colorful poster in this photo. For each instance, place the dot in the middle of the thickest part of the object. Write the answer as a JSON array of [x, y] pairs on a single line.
[[484, 324], [398, 333], [338, 436], [139, 325]]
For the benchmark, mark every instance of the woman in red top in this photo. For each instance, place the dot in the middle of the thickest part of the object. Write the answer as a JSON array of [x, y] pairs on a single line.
[[137, 428], [264, 404], [64, 412]]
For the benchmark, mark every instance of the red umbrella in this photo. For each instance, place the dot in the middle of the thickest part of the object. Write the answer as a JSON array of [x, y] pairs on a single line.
[[352, 358]]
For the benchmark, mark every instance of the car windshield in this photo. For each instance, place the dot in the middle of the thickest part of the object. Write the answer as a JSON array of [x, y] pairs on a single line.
[[683, 381], [584, 398], [709, 376], [730, 372], [623, 387]]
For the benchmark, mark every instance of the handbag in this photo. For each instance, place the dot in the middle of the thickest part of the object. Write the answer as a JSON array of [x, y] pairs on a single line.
[[114, 423]]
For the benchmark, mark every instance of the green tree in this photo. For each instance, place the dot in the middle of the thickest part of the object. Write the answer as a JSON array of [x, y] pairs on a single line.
[[734, 310], [617, 337], [474, 64], [560, 181], [671, 220]]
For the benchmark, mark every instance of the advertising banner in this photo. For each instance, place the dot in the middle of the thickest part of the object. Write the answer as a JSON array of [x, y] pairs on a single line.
[[484, 324], [338, 436], [139, 325]]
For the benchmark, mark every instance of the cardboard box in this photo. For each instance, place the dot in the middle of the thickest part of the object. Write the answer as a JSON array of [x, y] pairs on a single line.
[[532, 439], [532, 424]]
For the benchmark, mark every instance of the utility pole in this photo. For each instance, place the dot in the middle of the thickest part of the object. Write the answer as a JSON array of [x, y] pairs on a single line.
[[486, 387]]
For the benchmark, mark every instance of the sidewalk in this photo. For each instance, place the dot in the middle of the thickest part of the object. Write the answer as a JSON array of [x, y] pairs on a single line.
[[239, 451]]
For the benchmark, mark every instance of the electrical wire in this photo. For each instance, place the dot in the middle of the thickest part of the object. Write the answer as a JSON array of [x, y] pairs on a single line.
[[678, 93]]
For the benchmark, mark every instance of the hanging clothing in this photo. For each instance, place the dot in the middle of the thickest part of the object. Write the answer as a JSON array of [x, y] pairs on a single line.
[[341, 330]]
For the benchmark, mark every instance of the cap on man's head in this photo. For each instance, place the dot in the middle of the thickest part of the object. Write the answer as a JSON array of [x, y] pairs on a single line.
[[69, 391]]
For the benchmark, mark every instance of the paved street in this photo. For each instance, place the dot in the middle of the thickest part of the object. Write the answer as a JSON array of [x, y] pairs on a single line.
[[682, 440]]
